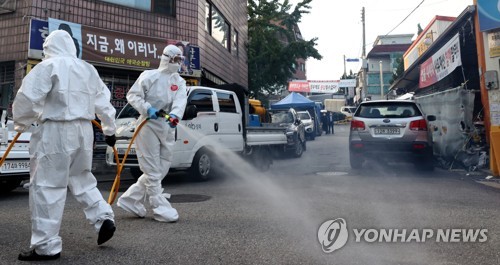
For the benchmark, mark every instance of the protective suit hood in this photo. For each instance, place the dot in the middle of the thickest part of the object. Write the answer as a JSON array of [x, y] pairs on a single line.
[[171, 51], [59, 43]]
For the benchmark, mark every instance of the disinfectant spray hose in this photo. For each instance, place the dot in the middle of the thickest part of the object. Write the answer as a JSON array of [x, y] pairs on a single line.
[[9, 147], [119, 165]]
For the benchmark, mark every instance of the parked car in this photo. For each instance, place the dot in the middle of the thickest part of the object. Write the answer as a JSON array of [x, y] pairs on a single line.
[[391, 129], [295, 131], [308, 121], [348, 111], [16, 167]]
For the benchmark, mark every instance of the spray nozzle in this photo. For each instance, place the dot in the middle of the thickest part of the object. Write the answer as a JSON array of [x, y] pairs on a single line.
[[170, 119]]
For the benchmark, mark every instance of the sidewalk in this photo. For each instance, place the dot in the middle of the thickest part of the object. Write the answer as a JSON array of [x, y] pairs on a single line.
[[483, 176]]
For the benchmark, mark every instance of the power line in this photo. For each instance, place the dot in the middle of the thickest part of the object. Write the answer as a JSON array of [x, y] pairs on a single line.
[[405, 18]]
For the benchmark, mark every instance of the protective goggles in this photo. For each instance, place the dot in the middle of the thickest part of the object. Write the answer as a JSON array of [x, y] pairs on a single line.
[[177, 59]]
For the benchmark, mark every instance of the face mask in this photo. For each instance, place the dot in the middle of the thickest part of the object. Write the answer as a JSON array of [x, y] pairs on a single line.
[[173, 67]]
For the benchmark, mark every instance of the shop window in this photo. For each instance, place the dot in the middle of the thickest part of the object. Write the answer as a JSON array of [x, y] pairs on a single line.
[[217, 26], [7, 6], [6, 84], [118, 82], [164, 7]]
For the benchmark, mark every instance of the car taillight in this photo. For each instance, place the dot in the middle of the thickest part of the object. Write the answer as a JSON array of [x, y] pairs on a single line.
[[357, 125], [418, 146], [358, 145], [418, 125]]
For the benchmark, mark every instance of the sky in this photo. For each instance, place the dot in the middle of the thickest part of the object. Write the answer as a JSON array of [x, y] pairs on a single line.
[[337, 25]]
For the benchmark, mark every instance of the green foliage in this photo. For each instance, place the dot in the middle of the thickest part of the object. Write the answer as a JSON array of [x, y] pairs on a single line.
[[350, 76], [273, 46], [399, 70]]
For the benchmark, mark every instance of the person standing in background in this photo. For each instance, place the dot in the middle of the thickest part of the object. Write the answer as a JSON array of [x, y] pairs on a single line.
[[324, 122], [331, 122]]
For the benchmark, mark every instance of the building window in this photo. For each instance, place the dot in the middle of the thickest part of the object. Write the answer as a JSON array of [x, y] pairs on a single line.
[[207, 17], [302, 67], [234, 43], [164, 7], [216, 25]]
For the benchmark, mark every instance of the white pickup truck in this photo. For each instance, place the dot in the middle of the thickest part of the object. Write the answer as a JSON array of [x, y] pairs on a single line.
[[16, 167], [214, 118]]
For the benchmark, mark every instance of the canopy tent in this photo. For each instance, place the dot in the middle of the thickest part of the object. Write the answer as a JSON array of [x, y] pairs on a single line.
[[299, 102], [294, 100]]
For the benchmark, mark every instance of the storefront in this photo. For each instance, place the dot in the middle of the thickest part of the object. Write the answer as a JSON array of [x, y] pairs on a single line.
[[118, 57], [445, 81]]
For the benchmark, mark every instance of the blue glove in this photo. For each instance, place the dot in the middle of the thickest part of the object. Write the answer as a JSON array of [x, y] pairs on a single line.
[[173, 121], [152, 113]]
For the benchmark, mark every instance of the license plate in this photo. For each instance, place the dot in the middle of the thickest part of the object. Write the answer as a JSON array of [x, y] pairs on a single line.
[[122, 151], [386, 130], [15, 166]]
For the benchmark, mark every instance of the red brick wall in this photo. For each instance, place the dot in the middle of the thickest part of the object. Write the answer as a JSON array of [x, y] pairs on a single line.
[[215, 57]]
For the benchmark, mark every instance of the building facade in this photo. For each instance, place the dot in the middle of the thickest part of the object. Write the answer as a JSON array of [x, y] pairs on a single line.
[[123, 38], [380, 64], [444, 79]]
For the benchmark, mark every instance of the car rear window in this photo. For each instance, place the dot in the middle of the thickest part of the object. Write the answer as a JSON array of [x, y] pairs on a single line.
[[388, 110], [282, 117], [304, 116]]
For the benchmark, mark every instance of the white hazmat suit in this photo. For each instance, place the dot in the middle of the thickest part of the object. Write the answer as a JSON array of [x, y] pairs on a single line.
[[162, 88], [62, 94]]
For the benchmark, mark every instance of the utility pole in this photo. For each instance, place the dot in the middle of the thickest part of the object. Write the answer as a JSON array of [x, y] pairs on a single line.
[[364, 41], [345, 74], [362, 77], [381, 81]]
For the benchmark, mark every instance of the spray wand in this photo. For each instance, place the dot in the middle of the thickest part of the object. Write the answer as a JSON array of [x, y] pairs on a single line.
[[119, 165], [170, 118]]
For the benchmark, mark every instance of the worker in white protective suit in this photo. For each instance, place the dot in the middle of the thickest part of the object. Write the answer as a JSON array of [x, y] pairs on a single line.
[[62, 94], [155, 90]]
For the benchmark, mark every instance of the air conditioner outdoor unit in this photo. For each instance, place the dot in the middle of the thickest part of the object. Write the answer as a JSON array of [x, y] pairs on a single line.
[[7, 6]]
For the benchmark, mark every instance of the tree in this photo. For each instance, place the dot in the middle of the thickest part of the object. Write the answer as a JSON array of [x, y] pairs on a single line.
[[350, 76], [399, 70], [273, 46]]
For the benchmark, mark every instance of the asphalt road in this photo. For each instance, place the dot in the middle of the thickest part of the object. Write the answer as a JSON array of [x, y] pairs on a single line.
[[249, 217]]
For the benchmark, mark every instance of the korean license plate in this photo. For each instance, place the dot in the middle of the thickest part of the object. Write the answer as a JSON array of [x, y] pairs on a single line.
[[386, 131], [15, 166], [121, 151]]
